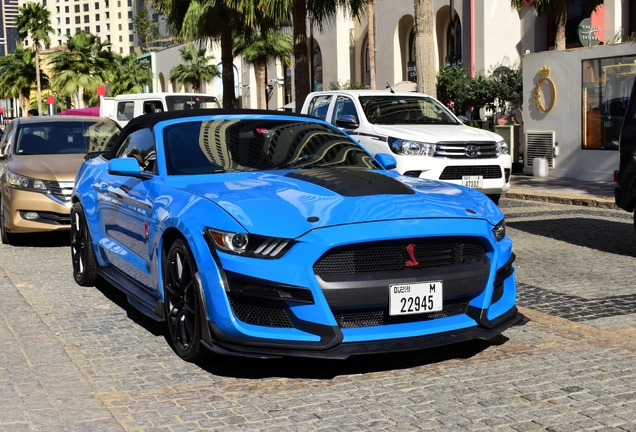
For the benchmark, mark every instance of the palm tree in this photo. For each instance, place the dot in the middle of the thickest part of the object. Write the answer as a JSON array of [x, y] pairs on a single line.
[[212, 20], [18, 75], [81, 66], [371, 26], [261, 46], [558, 11], [127, 75], [34, 20], [195, 68], [424, 43]]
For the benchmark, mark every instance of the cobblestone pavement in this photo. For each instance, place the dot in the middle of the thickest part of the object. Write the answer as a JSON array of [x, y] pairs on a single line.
[[81, 359]]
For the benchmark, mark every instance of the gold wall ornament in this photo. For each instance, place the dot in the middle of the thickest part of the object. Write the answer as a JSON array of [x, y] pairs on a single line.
[[544, 73]]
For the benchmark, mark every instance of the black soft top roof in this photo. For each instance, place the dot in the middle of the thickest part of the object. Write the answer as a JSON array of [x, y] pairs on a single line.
[[150, 120]]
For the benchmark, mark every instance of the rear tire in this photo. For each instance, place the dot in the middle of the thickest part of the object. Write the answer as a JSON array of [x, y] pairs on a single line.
[[84, 265], [182, 301]]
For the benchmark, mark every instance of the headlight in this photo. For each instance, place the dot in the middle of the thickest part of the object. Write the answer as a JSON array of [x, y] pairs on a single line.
[[407, 147], [17, 181], [250, 245], [502, 148], [499, 230]]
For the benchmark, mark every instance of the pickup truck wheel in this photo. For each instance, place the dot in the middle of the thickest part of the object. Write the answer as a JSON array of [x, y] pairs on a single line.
[[494, 198]]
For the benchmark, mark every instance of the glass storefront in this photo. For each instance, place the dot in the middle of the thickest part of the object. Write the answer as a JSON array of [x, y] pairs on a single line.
[[607, 84]]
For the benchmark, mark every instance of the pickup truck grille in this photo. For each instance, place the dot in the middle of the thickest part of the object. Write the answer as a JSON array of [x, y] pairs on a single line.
[[457, 172], [467, 150]]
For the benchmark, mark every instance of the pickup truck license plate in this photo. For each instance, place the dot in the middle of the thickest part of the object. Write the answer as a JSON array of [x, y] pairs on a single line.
[[473, 181], [416, 298]]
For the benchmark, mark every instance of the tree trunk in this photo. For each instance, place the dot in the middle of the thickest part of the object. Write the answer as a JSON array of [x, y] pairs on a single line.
[[371, 17], [425, 47], [227, 62], [37, 79], [301, 57], [560, 19], [262, 85]]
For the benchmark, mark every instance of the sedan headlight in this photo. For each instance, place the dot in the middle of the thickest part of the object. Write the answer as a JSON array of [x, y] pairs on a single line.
[[17, 181], [409, 147], [501, 148], [499, 230], [250, 245]]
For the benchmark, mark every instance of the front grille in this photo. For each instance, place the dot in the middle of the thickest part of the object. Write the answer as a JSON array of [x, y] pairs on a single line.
[[60, 190], [380, 316], [260, 312], [458, 150], [394, 256], [456, 172]]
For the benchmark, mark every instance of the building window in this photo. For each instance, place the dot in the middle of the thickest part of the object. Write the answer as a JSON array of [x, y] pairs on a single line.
[[96, 5], [107, 15], [57, 9], [130, 26], [107, 27], [607, 84], [68, 20], [131, 38], [77, 20], [77, 8], [96, 17], [78, 30], [87, 29], [66, 9], [118, 15], [129, 3], [454, 42], [85, 7], [98, 29], [87, 19], [68, 31], [119, 26], [129, 14]]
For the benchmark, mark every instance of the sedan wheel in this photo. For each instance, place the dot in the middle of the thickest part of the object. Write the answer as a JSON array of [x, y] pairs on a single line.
[[5, 236], [181, 299], [84, 266]]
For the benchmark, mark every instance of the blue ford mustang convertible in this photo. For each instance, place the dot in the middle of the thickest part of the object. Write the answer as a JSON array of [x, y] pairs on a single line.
[[263, 234]]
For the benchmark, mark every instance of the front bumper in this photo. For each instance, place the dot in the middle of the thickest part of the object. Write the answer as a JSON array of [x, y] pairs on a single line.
[[54, 215], [342, 351]]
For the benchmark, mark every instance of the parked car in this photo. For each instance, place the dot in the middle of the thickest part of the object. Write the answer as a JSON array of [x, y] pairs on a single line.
[[39, 159], [426, 139], [123, 108], [262, 234], [625, 176]]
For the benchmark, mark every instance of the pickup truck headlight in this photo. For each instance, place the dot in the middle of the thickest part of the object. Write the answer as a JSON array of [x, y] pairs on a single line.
[[500, 230], [502, 148], [250, 245], [17, 181], [408, 147]]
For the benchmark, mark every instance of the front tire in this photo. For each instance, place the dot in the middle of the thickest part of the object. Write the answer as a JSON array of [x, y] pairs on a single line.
[[84, 265], [182, 301], [5, 236]]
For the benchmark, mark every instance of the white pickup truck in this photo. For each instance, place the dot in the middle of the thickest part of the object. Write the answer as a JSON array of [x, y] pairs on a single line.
[[427, 140], [124, 107]]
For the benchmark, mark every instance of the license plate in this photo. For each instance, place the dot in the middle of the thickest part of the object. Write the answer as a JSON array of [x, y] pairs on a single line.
[[473, 181], [416, 298]]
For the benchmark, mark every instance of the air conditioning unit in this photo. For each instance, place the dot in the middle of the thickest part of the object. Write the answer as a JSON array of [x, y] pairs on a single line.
[[539, 145]]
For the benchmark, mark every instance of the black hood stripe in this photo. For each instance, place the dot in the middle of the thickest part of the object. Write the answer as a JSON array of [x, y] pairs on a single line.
[[352, 182]]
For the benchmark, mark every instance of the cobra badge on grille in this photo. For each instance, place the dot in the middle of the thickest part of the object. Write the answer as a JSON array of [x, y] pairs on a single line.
[[412, 262]]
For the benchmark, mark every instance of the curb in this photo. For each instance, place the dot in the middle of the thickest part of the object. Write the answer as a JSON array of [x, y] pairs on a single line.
[[579, 200]]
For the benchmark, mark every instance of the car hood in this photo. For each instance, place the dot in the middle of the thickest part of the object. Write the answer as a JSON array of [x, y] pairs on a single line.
[[288, 204], [59, 167], [436, 133]]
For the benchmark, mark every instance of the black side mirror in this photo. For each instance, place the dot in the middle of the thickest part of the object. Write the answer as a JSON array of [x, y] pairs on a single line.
[[347, 122]]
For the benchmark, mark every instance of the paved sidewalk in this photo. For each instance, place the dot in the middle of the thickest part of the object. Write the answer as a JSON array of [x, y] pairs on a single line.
[[563, 191]]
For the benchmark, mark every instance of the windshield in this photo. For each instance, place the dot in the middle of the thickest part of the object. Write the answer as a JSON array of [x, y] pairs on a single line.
[[188, 102], [203, 147], [66, 137], [405, 110]]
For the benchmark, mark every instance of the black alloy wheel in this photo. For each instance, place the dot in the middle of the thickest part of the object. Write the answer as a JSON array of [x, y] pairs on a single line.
[[182, 301], [84, 265]]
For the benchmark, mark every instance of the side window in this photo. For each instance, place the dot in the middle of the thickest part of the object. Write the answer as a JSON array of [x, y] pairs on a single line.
[[6, 138], [140, 144], [152, 106], [125, 110], [344, 106], [319, 106]]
